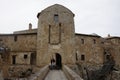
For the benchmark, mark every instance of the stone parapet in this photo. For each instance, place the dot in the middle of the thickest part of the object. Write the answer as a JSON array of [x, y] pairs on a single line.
[[40, 75], [71, 75]]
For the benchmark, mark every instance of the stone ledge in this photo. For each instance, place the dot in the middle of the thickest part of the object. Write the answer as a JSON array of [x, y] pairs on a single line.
[[71, 75], [40, 75]]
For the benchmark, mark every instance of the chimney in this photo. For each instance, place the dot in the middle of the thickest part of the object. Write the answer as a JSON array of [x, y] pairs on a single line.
[[108, 35], [30, 26]]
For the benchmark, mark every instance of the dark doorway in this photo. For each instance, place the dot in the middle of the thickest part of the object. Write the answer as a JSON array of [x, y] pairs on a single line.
[[108, 57], [58, 61], [33, 59], [14, 59]]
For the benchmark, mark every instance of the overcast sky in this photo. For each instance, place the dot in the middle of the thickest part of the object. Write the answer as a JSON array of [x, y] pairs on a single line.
[[91, 16]]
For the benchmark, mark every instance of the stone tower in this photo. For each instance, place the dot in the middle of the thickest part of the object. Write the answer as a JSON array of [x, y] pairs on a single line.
[[55, 36]]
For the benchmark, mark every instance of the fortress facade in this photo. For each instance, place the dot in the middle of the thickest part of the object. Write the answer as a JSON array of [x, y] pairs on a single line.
[[55, 38]]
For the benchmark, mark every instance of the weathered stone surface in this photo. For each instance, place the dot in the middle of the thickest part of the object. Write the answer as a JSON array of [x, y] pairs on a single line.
[[23, 42], [115, 75], [40, 74], [71, 75], [91, 48], [56, 34], [52, 40]]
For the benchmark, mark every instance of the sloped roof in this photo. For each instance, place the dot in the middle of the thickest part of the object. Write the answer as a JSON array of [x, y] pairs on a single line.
[[55, 7], [113, 37], [87, 35]]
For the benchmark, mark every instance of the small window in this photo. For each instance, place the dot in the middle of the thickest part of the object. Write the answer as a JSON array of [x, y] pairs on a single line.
[[82, 41], [13, 59], [25, 56], [59, 24], [94, 41], [76, 57], [56, 18], [82, 57], [15, 38], [49, 33]]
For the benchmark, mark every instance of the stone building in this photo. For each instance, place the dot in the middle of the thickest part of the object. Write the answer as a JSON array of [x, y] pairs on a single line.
[[55, 38]]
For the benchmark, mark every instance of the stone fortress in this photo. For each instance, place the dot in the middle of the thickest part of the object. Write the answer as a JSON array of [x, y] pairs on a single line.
[[55, 37]]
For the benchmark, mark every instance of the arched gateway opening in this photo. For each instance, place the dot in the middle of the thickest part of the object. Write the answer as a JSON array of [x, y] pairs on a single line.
[[58, 61]]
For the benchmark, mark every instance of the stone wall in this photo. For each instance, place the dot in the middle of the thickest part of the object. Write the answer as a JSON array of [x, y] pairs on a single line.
[[114, 44], [21, 57], [21, 42], [115, 75], [15, 71], [21, 47], [89, 50]]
